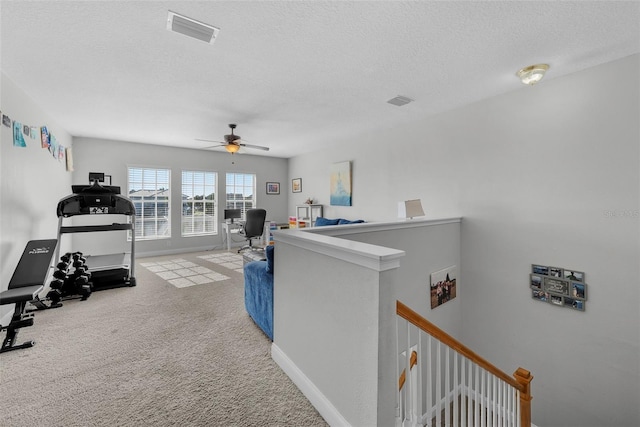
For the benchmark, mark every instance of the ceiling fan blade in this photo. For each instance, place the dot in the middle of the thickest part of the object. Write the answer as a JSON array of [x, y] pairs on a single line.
[[259, 147], [214, 146], [211, 140]]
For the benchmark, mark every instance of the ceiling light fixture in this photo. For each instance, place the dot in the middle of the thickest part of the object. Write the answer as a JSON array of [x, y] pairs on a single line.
[[192, 28], [232, 148], [532, 74]]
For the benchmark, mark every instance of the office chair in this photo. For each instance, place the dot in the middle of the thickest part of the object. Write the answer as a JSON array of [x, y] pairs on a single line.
[[253, 226]]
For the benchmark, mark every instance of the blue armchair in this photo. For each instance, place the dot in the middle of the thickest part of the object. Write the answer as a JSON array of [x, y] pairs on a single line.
[[258, 292]]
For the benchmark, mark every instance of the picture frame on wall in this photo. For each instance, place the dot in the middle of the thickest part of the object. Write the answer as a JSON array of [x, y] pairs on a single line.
[[556, 272], [540, 269], [539, 295], [574, 303], [273, 188], [573, 275], [556, 286], [296, 185], [578, 290], [536, 281]]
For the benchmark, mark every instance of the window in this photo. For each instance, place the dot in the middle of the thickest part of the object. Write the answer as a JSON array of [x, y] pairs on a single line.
[[199, 213], [149, 191], [241, 191]]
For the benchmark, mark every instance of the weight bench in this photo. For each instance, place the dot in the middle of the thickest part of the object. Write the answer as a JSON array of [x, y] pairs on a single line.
[[26, 283]]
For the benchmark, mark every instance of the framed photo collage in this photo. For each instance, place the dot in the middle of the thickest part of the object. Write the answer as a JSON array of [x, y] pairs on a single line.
[[558, 286]]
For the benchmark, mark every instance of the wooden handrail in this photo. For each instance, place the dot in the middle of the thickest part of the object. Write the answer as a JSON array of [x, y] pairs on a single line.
[[523, 377], [413, 361]]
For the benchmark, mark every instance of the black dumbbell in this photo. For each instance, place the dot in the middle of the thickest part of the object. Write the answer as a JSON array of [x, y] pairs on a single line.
[[54, 295], [81, 281], [59, 274], [62, 266], [85, 291], [66, 257], [56, 284]]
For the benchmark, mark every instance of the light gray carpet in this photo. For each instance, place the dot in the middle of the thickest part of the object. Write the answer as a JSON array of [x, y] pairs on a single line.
[[151, 355]]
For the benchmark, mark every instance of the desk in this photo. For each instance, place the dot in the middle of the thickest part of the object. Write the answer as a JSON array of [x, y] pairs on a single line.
[[233, 228], [229, 229]]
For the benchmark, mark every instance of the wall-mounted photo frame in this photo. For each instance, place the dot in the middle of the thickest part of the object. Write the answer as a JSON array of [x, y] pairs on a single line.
[[340, 184], [540, 269], [273, 188], [576, 304], [556, 272], [556, 286], [296, 185], [555, 299], [539, 295], [442, 286], [578, 290], [536, 281], [573, 275]]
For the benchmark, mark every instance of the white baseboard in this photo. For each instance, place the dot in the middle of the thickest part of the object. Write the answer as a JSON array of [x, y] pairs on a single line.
[[311, 392], [140, 254]]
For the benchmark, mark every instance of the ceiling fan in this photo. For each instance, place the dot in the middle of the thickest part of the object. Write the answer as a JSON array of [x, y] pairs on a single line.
[[232, 142]]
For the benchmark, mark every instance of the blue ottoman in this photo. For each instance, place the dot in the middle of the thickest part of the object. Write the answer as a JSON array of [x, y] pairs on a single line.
[[258, 292]]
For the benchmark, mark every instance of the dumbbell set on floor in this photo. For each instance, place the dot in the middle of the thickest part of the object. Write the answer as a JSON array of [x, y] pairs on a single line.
[[66, 283]]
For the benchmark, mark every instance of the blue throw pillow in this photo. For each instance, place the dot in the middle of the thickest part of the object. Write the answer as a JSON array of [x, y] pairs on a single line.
[[269, 253], [346, 221], [326, 221]]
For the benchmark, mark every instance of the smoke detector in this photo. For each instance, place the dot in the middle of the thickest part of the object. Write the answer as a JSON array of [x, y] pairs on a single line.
[[192, 28]]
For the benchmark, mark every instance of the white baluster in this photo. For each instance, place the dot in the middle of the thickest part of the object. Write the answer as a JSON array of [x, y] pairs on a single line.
[[483, 393], [447, 389], [438, 394], [419, 380], [429, 365], [456, 394], [470, 395], [463, 386]]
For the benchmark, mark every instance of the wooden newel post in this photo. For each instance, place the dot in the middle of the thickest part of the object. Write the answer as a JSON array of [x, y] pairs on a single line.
[[524, 377]]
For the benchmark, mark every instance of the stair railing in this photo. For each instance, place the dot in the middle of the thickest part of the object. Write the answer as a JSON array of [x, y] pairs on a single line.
[[456, 386]]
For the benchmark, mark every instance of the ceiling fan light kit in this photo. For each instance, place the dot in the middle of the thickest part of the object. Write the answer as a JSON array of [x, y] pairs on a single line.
[[233, 142], [232, 148], [532, 74]]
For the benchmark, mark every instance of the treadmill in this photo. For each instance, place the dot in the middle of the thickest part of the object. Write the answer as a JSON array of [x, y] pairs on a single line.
[[110, 270]]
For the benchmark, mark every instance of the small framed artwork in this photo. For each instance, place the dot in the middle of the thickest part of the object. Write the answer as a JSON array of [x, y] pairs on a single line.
[[536, 282], [578, 290], [296, 185], [556, 286], [555, 272], [576, 304], [555, 299], [540, 269], [273, 188], [576, 276], [539, 295]]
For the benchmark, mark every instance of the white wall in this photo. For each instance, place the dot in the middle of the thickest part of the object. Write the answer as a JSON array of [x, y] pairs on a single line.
[[335, 305], [113, 158], [31, 182], [548, 174]]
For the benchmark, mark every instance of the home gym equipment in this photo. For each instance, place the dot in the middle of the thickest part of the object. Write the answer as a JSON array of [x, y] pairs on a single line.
[[106, 271], [26, 283], [66, 284]]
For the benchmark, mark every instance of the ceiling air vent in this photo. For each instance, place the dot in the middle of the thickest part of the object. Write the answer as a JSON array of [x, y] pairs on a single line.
[[400, 100], [192, 28]]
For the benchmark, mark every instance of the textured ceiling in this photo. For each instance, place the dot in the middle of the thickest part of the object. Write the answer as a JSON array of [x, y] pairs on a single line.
[[294, 75]]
